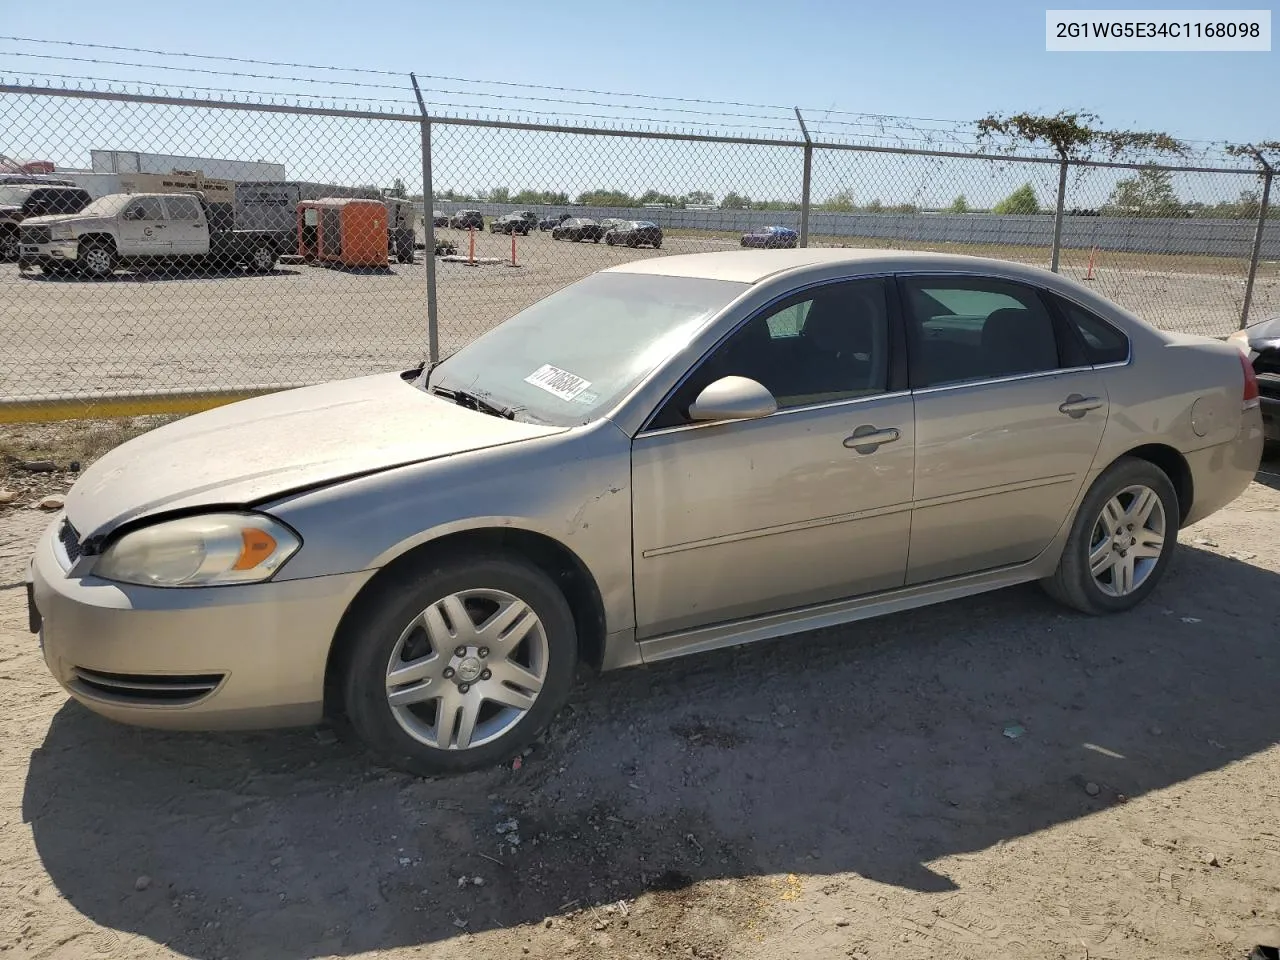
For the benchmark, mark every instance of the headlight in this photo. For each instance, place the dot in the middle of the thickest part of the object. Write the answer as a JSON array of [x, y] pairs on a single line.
[[202, 551], [62, 231]]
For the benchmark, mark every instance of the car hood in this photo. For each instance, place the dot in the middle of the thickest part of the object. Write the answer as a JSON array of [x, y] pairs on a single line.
[[1265, 334], [259, 449], [58, 218]]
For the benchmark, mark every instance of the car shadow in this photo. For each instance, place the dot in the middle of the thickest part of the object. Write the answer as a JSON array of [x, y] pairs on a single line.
[[878, 748], [157, 275], [1269, 471]]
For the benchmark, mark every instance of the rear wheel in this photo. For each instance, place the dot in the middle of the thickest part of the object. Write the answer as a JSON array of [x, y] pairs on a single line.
[[459, 667], [1121, 540], [263, 259], [97, 259]]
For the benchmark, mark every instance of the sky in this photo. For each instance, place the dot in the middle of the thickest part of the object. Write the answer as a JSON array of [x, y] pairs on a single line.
[[935, 59]]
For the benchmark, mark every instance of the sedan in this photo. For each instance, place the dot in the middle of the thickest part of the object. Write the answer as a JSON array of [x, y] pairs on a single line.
[[771, 237], [552, 221], [467, 219], [635, 233], [1260, 343], [432, 553], [578, 229], [522, 221], [439, 218]]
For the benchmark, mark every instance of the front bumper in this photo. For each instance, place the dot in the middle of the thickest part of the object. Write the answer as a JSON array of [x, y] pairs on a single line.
[[212, 658], [1269, 403], [65, 251]]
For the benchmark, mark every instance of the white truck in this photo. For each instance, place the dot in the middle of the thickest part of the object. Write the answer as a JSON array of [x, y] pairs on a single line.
[[124, 229]]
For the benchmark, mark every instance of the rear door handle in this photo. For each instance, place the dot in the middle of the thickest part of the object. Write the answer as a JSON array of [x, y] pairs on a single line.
[[868, 438], [1076, 406]]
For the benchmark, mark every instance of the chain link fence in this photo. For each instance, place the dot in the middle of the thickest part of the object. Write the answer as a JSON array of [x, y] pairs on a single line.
[[309, 254]]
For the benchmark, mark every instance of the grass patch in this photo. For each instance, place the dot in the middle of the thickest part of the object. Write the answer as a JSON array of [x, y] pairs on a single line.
[[68, 441]]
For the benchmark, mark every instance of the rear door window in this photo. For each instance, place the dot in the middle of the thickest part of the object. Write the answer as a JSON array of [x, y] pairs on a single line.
[[1102, 342], [976, 328]]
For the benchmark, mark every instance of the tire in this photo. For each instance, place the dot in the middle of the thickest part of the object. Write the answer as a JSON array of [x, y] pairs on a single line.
[[391, 629], [97, 259], [9, 246], [658, 245], [1119, 491], [262, 260]]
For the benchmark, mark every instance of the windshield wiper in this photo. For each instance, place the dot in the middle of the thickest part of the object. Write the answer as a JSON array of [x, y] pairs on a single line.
[[473, 402]]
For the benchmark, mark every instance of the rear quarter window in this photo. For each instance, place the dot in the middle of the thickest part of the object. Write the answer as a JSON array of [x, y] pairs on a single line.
[[1102, 342]]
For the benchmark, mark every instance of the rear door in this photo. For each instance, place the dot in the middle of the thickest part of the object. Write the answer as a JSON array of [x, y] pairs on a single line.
[[1008, 420], [188, 232], [144, 231]]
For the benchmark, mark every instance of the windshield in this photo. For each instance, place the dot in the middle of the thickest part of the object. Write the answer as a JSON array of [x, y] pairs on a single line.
[[16, 194], [572, 355], [107, 206]]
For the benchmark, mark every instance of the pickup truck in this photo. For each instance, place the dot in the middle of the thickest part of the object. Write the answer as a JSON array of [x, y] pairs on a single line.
[[22, 201], [134, 229]]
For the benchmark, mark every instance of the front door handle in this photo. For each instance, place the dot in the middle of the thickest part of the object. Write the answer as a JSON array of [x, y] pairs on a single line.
[[868, 439], [1076, 406]]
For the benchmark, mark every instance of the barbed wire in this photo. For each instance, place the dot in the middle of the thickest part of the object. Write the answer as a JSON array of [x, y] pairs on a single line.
[[867, 128]]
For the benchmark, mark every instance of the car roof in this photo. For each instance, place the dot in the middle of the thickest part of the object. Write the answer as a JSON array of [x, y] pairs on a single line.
[[752, 266]]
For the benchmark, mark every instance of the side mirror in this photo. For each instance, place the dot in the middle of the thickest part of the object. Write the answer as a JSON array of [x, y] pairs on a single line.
[[732, 398]]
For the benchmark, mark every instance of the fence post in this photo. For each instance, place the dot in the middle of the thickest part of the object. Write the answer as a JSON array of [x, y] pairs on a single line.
[[804, 188], [428, 229], [1057, 216], [1267, 176]]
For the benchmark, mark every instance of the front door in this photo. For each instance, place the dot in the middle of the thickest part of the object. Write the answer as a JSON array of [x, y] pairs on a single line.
[[1007, 423], [188, 232], [736, 519], [143, 229]]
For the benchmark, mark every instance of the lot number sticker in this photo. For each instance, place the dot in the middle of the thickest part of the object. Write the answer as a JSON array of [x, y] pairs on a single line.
[[562, 383]]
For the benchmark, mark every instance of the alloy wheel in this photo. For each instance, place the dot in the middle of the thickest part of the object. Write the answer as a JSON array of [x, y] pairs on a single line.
[[1127, 541], [467, 669]]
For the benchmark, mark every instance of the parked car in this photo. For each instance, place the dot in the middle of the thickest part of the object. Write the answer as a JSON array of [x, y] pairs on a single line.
[[522, 221], [21, 201], [635, 233], [772, 237], [124, 229], [439, 218], [418, 550], [610, 223], [1260, 343], [553, 220], [466, 219], [578, 229]]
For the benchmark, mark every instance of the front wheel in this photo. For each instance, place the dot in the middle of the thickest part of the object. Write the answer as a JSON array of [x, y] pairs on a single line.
[[1121, 540], [9, 247], [97, 260], [460, 666]]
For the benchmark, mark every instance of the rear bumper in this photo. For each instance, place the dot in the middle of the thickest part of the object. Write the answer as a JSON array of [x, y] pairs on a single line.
[[1221, 473]]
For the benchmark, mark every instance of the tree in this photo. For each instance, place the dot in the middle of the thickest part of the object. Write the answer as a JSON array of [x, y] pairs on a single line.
[[734, 201], [699, 198], [958, 205], [499, 195], [1149, 194], [653, 196], [875, 206], [544, 197], [841, 202], [1075, 136], [606, 198], [1021, 201], [398, 189]]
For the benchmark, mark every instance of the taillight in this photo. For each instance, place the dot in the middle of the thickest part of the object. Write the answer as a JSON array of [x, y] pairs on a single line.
[[1250, 398]]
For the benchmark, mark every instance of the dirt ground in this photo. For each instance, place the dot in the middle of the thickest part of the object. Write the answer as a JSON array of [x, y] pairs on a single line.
[[990, 778], [152, 331]]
